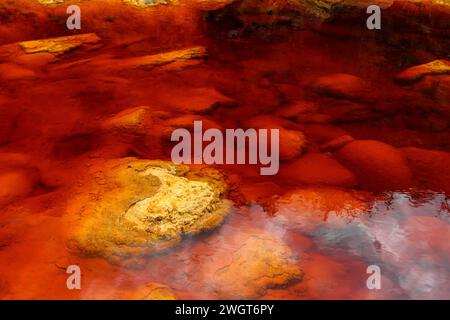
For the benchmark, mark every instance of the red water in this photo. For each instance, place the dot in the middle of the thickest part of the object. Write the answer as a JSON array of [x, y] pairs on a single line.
[[55, 122]]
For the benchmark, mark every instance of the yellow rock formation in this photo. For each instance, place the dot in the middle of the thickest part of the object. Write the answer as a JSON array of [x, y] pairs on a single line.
[[137, 207], [59, 45]]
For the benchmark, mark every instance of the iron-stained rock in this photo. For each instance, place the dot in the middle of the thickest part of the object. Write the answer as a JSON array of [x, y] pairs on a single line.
[[59, 45], [133, 208]]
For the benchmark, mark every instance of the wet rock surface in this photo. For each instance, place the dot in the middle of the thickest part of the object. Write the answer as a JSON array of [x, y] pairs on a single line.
[[151, 291], [292, 143], [318, 169], [170, 61], [268, 263], [377, 165], [59, 45], [416, 73], [345, 86], [363, 119], [147, 207], [10, 72], [430, 80], [145, 3], [337, 143], [427, 166], [16, 183], [306, 208]]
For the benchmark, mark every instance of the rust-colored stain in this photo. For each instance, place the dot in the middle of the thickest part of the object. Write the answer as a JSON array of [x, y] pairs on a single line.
[[364, 123]]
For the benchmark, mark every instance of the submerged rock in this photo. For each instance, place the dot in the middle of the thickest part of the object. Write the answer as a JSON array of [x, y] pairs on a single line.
[[177, 59], [292, 142], [35, 60], [297, 109], [59, 45], [156, 291], [432, 80], [196, 100], [51, 1], [134, 208], [342, 86], [416, 73], [152, 291], [10, 72], [147, 3], [377, 165], [16, 183], [337, 143], [260, 262], [187, 122], [323, 132], [346, 111], [429, 167], [306, 209], [437, 87], [168, 61], [318, 169], [131, 121]]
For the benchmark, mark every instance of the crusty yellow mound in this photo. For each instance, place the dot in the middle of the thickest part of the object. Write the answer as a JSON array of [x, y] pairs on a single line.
[[137, 207]]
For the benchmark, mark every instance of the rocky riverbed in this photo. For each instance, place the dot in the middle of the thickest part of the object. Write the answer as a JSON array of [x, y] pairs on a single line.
[[85, 150]]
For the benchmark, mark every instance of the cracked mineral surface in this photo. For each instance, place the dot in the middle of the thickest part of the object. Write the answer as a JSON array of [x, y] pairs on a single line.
[[86, 123], [142, 207], [59, 45]]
